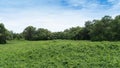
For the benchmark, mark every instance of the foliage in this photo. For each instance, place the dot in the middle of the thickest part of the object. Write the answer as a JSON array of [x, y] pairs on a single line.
[[70, 33], [58, 35], [105, 29], [43, 34], [2, 34], [29, 33], [101, 29], [60, 54]]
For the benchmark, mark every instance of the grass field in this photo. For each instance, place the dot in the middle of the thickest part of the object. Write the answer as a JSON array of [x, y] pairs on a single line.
[[60, 54]]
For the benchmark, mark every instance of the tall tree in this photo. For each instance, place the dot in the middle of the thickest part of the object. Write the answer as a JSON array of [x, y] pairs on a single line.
[[101, 29], [71, 33], [29, 33], [2, 34], [116, 28], [43, 34]]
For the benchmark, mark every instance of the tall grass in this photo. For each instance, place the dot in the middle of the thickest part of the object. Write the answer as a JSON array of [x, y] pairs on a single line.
[[60, 54]]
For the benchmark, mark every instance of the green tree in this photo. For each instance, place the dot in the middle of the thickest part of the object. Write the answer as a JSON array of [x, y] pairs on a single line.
[[116, 28], [2, 34], [101, 29], [29, 33], [96, 31], [70, 33], [9, 35], [58, 35], [17, 36], [83, 34], [43, 34]]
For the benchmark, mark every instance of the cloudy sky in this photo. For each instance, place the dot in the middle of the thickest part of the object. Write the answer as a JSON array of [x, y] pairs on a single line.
[[55, 15]]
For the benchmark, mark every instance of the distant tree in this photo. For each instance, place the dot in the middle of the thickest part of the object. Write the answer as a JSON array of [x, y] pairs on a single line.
[[9, 35], [43, 34], [83, 34], [70, 33], [17, 36], [107, 23], [58, 35], [116, 28], [101, 29], [2, 34], [29, 33], [104, 29]]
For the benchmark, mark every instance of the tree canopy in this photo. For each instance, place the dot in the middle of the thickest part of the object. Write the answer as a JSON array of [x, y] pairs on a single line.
[[104, 29], [2, 34]]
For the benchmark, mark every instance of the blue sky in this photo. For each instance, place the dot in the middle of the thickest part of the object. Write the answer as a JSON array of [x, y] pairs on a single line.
[[55, 15]]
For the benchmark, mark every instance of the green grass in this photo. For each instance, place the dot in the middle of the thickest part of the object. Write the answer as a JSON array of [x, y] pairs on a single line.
[[60, 54]]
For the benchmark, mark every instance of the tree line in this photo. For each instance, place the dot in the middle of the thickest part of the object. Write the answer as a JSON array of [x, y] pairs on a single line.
[[105, 29]]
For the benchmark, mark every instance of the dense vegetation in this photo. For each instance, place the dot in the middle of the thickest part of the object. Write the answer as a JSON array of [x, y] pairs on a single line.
[[63, 53], [60, 54], [2, 34], [104, 29]]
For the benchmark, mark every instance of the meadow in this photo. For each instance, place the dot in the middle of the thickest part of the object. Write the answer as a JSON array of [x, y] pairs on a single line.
[[60, 54]]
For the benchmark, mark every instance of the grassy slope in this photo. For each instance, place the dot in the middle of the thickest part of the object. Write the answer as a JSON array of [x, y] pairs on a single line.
[[60, 54]]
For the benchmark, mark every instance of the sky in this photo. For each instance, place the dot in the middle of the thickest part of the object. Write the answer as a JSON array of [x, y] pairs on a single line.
[[54, 15]]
